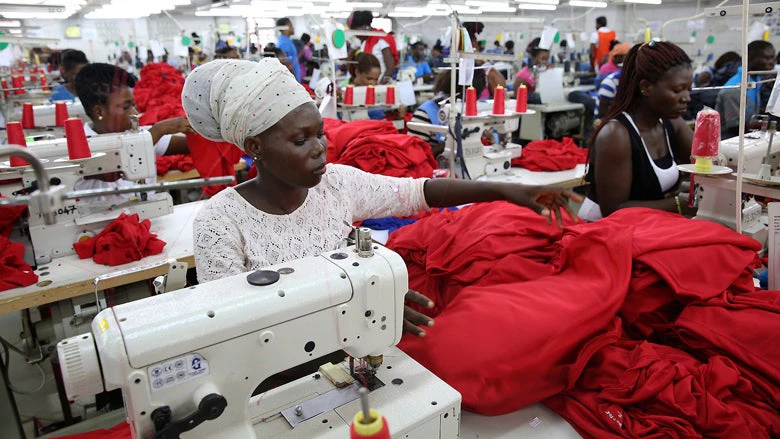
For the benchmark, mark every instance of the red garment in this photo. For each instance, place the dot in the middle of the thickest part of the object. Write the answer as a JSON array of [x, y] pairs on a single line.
[[213, 159], [158, 93], [551, 155], [14, 272], [395, 155], [120, 431], [340, 134], [124, 240], [178, 162], [371, 42], [8, 216]]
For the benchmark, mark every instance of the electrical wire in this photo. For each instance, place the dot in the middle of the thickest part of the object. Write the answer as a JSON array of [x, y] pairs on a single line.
[[7, 347]]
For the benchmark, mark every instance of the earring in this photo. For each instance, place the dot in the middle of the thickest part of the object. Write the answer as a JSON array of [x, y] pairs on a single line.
[[100, 117], [258, 158]]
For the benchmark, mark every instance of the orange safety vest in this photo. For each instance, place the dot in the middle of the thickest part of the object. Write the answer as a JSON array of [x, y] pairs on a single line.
[[602, 49]]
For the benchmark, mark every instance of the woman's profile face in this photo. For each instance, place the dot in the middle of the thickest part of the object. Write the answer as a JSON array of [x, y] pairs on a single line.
[[541, 58], [367, 78], [118, 109], [669, 97]]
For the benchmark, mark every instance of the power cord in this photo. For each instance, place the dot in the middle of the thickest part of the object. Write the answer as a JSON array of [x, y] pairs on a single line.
[[7, 347]]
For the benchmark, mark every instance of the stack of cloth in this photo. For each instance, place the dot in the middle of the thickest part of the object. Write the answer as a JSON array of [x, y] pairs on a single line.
[[644, 324], [125, 240], [551, 155], [14, 271], [158, 93], [178, 162]]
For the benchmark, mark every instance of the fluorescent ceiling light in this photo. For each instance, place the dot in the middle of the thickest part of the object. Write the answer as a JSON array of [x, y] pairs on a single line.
[[486, 4], [502, 19], [10, 23], [541, 2], [536, 6], [587, 4], [644, 2], [364, 5]]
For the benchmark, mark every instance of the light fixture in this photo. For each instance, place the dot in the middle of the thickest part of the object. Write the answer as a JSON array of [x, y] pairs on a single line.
[[587, 4], [10, 23], [536, 6], [541, 2], [644, 2], [502, 19], [485, 5]]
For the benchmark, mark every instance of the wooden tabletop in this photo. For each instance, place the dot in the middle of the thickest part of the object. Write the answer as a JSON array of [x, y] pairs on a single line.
[[70, 276], [193, 173]]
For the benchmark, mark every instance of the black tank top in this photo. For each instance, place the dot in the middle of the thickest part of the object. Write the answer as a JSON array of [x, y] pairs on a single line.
[[644, 182]]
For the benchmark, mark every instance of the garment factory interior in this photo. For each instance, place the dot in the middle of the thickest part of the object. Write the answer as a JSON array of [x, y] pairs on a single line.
[[371, 219]]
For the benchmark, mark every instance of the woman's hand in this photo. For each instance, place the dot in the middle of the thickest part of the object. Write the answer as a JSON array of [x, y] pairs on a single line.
[[175, 125], [544, 200], [412, 318]]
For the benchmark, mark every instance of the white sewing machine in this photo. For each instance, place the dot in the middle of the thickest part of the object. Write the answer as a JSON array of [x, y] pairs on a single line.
[[45, 116], [187, 361], [716, 202], [132, 153]]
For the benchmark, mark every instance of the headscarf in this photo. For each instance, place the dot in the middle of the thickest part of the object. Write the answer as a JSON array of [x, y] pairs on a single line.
[[619, 49], [232, 100]]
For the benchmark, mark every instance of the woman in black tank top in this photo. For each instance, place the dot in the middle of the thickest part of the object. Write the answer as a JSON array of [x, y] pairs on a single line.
[[643, 123]]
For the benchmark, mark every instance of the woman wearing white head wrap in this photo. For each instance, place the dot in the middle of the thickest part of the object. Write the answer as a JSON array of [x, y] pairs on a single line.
[[297, 206]]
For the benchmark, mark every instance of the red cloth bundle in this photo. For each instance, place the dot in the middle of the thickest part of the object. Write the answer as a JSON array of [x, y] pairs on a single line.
[[395, 155], [340, 134], [551, 155], [8, 216], [124, 240], [213, 159], [119, 431], [706, 135], [14, 272], [158, 93], [178, 162]]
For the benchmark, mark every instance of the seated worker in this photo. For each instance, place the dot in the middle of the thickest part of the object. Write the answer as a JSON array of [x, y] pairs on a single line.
[[275, 52], [299, 205], [527, 75], [635, 149], [71, 61], [383, 48], [721, 71], [364, 70], [428, 112], [227, 52], [616, 56], [106, 92], [761, 57], [417, 58]]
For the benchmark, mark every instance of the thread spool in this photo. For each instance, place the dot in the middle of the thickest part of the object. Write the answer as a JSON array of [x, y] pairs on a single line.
[[349, 95], [15, 133], [370, 95], [60, 113], [78, 147], [522, 99], [471, 101], [4, 84], [44, 83], [18, 84], [706, 137], [28, 117], [498, 100], [390, 95]]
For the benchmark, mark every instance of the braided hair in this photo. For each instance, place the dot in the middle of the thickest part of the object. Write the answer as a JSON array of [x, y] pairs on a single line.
[[649, 62], [95, 82]]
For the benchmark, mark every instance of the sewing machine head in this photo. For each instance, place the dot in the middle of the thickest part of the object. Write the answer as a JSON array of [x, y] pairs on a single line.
[[754, 151], [197, 354]]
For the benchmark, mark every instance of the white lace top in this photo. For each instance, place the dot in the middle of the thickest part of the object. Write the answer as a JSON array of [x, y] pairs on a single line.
[[232, 236]]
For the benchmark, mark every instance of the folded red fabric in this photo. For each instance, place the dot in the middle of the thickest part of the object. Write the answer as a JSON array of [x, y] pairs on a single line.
[[178, 162], [339, 134], [158, 93], [8, 216], [14, 272], [213, 159], [120, 431], [395, 155], [124, 240], [551, 155]]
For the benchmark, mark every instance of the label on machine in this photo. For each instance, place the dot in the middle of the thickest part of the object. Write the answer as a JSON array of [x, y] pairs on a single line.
[[177, 371]]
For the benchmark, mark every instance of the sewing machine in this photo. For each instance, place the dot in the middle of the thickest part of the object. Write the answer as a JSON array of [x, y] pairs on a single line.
[[716, 201], [132, 153], [187, 361]]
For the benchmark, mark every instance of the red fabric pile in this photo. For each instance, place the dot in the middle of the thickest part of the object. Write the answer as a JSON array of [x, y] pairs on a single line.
[[124, 240], [119, 431], [551, 155], [644, 324], [8, 216], [14, 272], [158, 93], [178, 162], [213, 159], [339, 134], [395, 155]]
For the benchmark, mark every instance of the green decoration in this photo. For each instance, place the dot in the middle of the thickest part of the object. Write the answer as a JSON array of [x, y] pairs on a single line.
[[522, 36], [116, 43], [557, 38], [693, 34], [131, 44], [3, 45], [239, 40], [185, 41], [339, 39], [710, 39]]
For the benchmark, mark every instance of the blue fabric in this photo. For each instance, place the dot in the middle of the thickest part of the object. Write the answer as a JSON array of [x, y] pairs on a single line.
[[431, 108], [376, 114], [59, 93], [393, 223], [288, 47], [423, 68], [763, 279], [753, 95]]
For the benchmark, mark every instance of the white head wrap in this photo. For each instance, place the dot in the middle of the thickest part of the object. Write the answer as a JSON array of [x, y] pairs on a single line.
[[231, 100]]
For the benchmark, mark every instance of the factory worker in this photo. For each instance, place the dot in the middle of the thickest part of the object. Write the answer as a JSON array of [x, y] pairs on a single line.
[[635, 150], [106, 92], [298, 205]]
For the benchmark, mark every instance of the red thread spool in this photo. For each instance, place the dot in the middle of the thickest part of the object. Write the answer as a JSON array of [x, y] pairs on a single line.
[[15, 134], [28, 117], [349, 95], [370, 95], [44, 83], [390, 95], [18, 84], [4, 84], [471, 101], [498, 100], [522, 99], [60, 113], [78, 147]]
